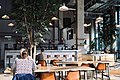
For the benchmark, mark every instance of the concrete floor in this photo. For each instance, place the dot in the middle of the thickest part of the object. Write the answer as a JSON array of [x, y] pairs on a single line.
[[6, 77]]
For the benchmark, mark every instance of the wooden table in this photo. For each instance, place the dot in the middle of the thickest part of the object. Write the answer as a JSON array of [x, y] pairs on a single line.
[[80, 62], [64, 68], [87, 62]]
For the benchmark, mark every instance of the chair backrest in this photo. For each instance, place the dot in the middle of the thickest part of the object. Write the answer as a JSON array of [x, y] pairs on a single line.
[[88, 65], [83, 64], [42, 62], [101, 66], [73, 75], [53, 62], [47, 76]]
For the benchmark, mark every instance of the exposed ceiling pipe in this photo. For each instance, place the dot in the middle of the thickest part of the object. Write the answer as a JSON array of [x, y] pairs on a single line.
[[92, 13]]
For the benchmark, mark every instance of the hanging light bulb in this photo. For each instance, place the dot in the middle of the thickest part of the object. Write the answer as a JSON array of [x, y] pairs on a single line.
[[63, 8]]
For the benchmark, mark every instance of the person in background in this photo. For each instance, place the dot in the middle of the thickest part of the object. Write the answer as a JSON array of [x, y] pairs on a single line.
[[40, 56], [23, 67]]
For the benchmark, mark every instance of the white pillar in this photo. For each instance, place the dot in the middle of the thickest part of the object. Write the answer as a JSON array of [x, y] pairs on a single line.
[[61, 20], [92, 30], [80, 26]]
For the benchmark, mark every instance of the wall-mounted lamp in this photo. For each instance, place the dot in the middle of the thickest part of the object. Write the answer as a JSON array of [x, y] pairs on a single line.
[[63, 8]]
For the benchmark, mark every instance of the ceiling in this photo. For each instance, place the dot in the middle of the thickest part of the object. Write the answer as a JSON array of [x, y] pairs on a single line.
[[91, 7], [5, 7], [99, 7]]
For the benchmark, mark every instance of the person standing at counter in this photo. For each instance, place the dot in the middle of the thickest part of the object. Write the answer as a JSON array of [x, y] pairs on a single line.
[[23, 67], [40, 56]]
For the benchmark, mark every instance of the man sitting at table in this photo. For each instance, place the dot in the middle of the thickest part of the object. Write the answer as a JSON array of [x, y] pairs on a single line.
[[23, 67]]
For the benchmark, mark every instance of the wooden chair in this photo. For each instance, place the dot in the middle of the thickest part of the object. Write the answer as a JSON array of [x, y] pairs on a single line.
[[47, 76], [42, 62], [53, 62], [101, 67], [73, 75], [89, 65], [83, 64]]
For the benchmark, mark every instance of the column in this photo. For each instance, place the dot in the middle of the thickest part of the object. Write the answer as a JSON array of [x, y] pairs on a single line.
[[61, 23], [80, 35]]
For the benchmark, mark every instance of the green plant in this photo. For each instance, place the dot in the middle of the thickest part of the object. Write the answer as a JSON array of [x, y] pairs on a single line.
[[32, 18]]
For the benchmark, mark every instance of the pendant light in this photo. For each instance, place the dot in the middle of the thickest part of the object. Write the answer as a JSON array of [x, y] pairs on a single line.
[[63, 8], [11, 24]]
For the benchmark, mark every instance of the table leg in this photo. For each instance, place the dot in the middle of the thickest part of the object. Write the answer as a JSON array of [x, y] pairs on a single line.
[[85, 75], [108, 71]]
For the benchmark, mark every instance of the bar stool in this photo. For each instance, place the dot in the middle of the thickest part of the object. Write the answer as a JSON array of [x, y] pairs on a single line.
[[100, 67]]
